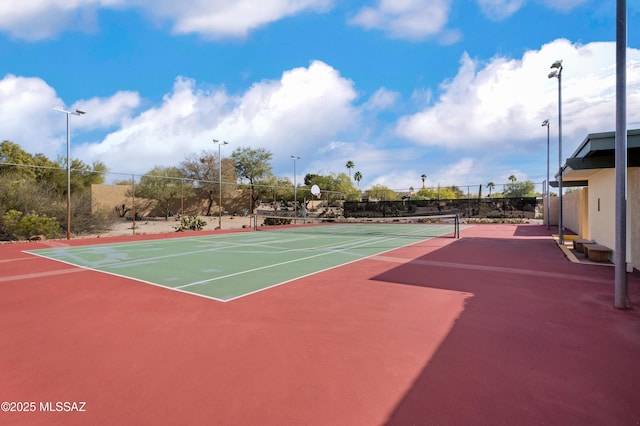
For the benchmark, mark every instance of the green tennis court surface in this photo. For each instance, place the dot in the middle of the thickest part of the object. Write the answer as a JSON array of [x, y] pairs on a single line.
[[227, 266]]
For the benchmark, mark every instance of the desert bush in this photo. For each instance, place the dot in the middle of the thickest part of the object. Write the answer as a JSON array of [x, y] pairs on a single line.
[[22, 226], [270, 221], [191, 223]]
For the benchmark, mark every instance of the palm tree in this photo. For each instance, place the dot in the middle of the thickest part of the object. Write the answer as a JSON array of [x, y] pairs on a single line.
[[357, 176], [512, 178], [350, 166], [491, 185], [423, 177]]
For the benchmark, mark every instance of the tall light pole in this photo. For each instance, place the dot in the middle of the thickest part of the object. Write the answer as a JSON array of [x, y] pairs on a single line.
[[556, 72], [76, 112], [545, 123], [295, 189], [217, 142], [621, 299]]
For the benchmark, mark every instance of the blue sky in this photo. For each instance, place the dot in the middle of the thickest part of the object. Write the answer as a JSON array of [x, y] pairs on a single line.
[[452, 89]]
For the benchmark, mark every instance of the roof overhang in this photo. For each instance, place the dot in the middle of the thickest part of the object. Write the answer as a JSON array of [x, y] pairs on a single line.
[[569, 183], [597, 152]]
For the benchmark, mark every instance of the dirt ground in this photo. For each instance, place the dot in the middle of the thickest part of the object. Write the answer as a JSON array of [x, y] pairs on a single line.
[[160, 226]]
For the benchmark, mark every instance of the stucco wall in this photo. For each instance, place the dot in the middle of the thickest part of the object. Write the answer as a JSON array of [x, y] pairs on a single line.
[[575, 207], [108, 196], [602, 211], [583, 211], [553, 210], [570, 214], [602, 207]]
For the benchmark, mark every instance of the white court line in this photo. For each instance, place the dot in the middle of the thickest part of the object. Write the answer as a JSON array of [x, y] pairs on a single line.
[[372, 256], [134, 262], [16, 258], [339, 249], [41, 274]]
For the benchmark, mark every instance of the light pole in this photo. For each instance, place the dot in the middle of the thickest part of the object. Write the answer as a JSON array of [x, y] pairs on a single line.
[[76, 112], [217, 142], [295, 189], [556, 71], [545, 123]]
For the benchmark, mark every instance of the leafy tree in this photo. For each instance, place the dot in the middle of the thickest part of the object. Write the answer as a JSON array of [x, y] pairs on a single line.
[[39, 168], [520, 189], [33, 186], [12, 154], [162, 184], [203, 170], [253, 165], [27, 195], [350, 165], [491, 186], [82, 175], [357, 177], [426, 194], [340, 184], [39, 202], [450, 193], [275, 189], [382, 193], [310, 179]]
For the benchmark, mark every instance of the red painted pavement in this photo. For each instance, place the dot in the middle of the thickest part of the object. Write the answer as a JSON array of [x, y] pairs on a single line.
[[495, 328]]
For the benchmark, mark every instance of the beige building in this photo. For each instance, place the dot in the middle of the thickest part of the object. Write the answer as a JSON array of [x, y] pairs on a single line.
[[590, 210]]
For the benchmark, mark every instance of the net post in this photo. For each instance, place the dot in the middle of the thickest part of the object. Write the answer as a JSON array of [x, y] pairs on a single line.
[[456, 227]]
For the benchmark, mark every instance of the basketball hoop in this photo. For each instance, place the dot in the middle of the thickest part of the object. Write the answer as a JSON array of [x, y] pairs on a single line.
[[315, 190]]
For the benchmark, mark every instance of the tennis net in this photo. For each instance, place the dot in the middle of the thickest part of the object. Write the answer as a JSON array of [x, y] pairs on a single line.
[[418, 227]]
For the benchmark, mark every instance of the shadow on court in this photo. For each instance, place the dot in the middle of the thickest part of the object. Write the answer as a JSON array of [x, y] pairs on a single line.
[[538, 342]]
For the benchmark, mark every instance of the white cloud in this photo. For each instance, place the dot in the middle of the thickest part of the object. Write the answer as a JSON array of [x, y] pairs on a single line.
[[103, 113], [564, 5], [498, 104], [40, 19], [381, 100], [28, 119], [408, 19], [25, 113], [500, 9], [222, 18], [301, 111], [313, 101]]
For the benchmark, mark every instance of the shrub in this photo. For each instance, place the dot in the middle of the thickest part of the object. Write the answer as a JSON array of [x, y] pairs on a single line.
[[24, 226], [270, 221], [193, 223]]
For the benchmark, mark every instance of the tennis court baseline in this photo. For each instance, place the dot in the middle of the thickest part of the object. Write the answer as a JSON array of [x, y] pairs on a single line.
[[228, 266]]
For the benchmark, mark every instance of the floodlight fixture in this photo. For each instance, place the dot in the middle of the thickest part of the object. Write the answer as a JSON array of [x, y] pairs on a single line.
[[557, 64]]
